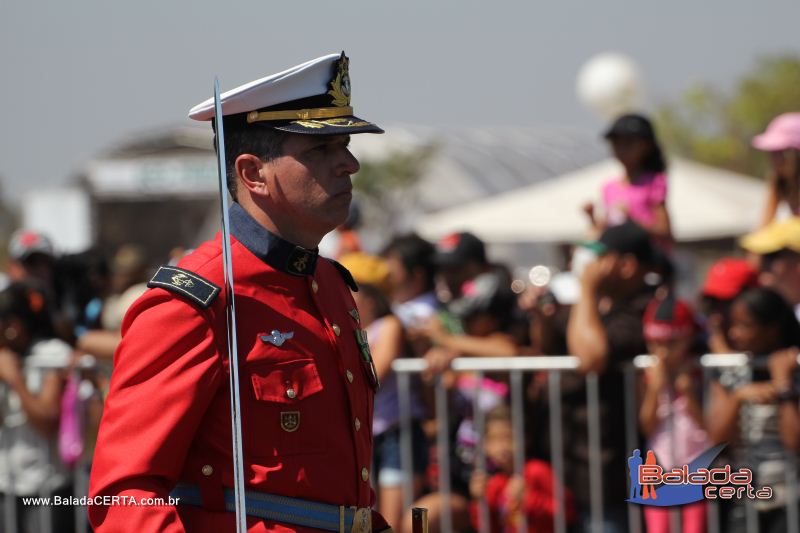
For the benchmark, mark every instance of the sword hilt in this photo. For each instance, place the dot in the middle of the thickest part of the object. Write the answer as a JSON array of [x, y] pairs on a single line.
[[419, 520]]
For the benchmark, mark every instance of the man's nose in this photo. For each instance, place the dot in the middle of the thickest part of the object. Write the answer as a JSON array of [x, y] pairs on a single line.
[[348, 163]]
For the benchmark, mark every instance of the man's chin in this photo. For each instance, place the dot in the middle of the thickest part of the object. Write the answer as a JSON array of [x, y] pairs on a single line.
[[339, 209]]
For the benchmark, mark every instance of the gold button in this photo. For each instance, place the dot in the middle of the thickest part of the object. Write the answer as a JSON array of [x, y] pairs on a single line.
[[336, 330], [358, 424], [364, 474], [207, 470], [349, 376], [291, 394], [314, 285]]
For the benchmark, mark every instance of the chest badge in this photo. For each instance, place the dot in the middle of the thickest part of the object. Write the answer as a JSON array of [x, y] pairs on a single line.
[[366, 356], [290, 420], [276, 338]]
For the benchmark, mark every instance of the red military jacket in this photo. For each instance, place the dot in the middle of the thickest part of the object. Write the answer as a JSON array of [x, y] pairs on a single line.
[[306, 391]]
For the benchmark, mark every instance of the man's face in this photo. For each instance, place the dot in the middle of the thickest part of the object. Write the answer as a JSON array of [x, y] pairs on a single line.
[[310, 182], [608, 266]]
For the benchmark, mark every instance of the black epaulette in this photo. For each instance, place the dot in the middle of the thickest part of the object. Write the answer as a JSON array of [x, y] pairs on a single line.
[[186, 283], [348, 277]]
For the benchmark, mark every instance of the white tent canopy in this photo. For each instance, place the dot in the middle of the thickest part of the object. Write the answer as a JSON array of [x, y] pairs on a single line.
[[704, 203]]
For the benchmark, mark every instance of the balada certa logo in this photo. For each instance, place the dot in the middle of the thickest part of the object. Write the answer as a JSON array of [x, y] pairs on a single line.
[[652, 484]]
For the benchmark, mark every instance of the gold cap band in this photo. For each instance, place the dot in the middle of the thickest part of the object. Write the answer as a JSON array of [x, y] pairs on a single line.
[[300, 114]]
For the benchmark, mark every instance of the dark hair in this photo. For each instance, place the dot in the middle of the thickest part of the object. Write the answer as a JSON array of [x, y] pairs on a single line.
[[770, 308], [28, 304], [414, 252], [654, 161], [787, 185], [79, 278], [381, 302], [635, 126], [499, 413], [264, 142]]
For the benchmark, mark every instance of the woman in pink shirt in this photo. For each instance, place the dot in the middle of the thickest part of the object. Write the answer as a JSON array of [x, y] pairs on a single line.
[[782, 140], [639, 195]]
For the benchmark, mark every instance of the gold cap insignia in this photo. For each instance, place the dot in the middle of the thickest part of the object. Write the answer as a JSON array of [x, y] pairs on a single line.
[[290, 420], [340, 84]]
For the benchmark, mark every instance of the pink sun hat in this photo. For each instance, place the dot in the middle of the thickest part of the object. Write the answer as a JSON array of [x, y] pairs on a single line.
[[781, 134]]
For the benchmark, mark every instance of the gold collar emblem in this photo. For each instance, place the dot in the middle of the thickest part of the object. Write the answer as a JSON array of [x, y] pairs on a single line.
[[301, 263]]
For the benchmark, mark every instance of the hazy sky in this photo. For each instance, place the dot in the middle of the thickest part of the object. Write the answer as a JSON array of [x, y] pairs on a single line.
[[78, 77]]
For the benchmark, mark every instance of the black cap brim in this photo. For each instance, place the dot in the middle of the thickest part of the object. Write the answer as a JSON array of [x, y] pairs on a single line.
[[330, 126]]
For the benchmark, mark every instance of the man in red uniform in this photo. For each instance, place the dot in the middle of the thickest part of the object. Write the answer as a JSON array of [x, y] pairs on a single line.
[[306, 377]]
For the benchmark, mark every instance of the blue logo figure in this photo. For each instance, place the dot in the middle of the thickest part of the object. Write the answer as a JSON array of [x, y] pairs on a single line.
[[634, 462]]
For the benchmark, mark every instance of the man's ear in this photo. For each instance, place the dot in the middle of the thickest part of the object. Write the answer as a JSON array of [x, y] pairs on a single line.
[[248, 168]]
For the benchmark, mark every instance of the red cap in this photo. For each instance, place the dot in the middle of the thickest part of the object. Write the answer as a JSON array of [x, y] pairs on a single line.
[[728, 277], [668, 319]]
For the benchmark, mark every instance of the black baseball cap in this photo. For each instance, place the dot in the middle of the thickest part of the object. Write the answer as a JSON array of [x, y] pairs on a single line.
[[489, 292], [631, 125], [626, 238], [458, 248]]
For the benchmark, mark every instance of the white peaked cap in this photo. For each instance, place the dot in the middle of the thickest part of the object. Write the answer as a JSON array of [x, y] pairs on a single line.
[[307, 79], [312, 98]]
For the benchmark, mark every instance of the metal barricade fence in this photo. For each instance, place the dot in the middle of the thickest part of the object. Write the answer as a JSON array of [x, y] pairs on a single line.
[[516, 367], [554, 366]]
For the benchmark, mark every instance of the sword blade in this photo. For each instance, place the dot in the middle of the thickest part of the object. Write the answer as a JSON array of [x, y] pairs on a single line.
[[230, 312]]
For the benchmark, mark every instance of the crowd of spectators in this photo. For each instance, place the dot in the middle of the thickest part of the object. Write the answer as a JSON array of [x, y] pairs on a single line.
[[60, 318]]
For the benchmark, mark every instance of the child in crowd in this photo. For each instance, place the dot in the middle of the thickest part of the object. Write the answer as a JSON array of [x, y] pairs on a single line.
[[782, 141], [640, 195], [725, 280], [474, 325], [670, 412], [387, 342], [507, 494], [755, 406]]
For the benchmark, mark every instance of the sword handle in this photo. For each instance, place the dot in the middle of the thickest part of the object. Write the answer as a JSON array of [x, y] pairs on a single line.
[[419, 520]]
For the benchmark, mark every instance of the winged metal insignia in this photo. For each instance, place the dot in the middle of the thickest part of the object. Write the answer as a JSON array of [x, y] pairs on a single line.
[[276, 338]]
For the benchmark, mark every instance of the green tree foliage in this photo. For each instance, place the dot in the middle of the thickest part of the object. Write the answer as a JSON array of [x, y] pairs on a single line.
[[386, 185], [715, 127], [381, 179], [386, 189]]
